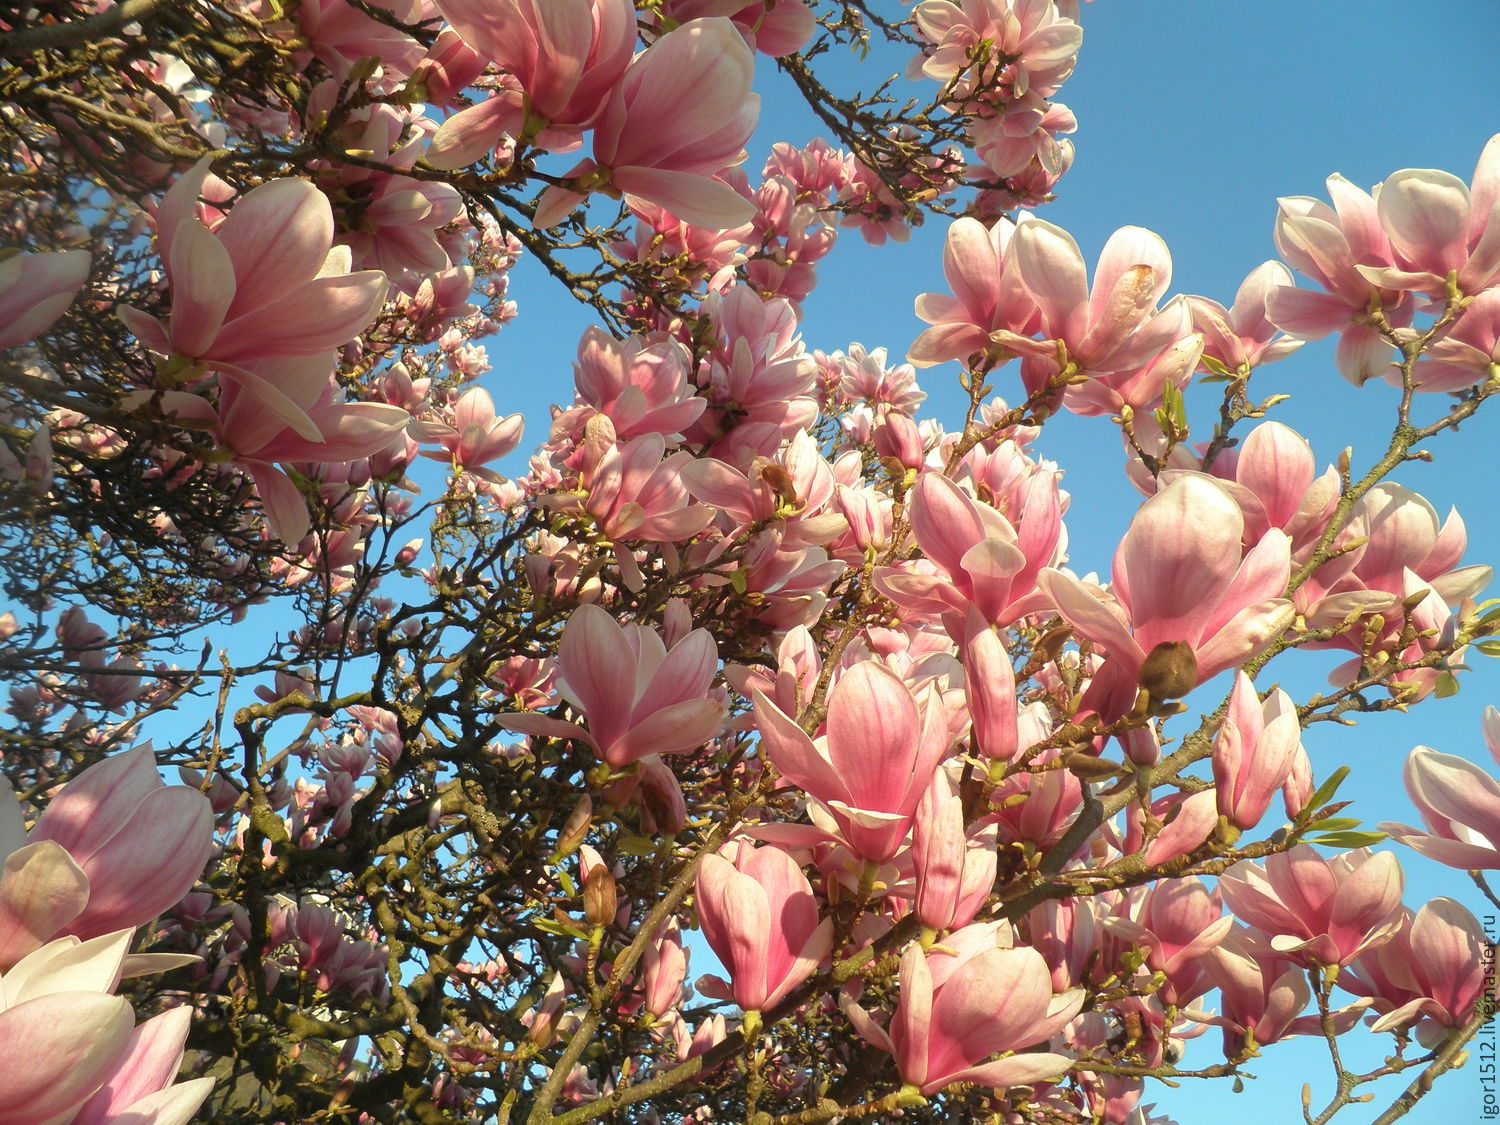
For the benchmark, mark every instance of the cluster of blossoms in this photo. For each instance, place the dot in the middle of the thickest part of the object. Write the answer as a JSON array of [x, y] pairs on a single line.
[[751, 655]]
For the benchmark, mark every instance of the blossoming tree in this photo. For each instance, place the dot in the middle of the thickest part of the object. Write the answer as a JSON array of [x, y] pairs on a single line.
[[751, 659]]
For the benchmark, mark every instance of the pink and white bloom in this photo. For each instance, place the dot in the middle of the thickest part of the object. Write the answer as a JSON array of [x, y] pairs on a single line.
[[680, 116], [114, 849], [1468, 353], [143, 1088], [955, 869], [874, 763], [979, 559], [1179, 577], [1242, 336], [965, 1001], [772, 27], [1438, 225], [1177, 923], [62, 1034], [661, 709], [1254, 752], [1336, 247], [642, 388], [1099, 325], [266, 283], [987, 295], [36, 289], [1460, 805], [1324, 912], [760, 917], [1265, 993], [1038, 45], [1431, 973], [566, 57], [476, 437]]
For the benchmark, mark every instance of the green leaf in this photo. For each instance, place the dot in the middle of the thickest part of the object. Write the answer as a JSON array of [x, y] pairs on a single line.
[[1447, 686], [556, 928], [737, 580], [1349, 839], [635, 845], [1216, 366], [1324, 794], [1336, 824], [565, 881]]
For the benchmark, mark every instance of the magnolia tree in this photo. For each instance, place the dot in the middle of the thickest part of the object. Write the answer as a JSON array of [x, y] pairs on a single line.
[[752, 659]]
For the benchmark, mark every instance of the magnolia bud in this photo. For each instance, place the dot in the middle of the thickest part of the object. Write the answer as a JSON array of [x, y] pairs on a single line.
[[575, 828], [599, 896], [1170, 670]]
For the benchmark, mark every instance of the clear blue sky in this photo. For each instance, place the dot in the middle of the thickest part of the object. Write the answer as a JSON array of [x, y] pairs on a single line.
[[1194, 116]]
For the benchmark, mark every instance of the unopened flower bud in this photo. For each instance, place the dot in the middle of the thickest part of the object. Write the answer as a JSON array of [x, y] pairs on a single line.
[[1170, 670], [575, 828], [599, 896]]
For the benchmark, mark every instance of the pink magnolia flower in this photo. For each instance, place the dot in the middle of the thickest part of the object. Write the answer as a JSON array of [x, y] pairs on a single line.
[[1241, 336], [286, 410], [1031, 47], [661, 709], [965, 1001], [1460, 805], [1254, 752], [976, 557], [1324, 912], [447, 69], [1438, 225], [772, 27], [795, 487], [61, 1032], [634, 491], [987, 295], [389, 222], [1098, 325], [1333, 246], [1179, 577], [990, 690], [266, 283], [1265, 993], [340, 35], [641, 388], [1467, 353], [143, 1087], [874, 763], [663, 969], [36, 289], [115, 848], [681, 115], [566, 56], [955, 869], [476, 437], [1272, 475], [1176, 923], [1431, 973], [759, 380], [760, 917]]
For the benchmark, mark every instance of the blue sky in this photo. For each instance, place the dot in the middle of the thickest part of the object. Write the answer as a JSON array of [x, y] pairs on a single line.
[[1194, 116]]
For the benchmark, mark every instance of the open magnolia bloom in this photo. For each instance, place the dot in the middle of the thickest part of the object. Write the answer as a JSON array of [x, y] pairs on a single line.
[[72, 1052], [1179, 578], [966, 1000], [113, 850], [1459, 803]]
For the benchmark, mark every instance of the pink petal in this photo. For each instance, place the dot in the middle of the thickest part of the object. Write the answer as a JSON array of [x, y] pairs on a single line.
[[277, 237]]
